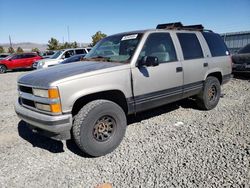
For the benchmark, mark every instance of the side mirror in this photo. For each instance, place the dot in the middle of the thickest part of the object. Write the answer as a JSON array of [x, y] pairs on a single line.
[[149, 61]]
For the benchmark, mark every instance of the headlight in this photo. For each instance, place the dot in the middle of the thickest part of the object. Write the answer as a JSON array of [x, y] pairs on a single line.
[[41, 92], [44, 107], [41, 64], [51, 93], [54, 108]]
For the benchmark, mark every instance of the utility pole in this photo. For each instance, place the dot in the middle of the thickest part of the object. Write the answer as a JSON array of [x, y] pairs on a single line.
[[68, 34], [10, 41]]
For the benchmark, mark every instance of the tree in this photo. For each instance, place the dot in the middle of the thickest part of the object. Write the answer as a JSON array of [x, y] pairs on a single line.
[[19, 50], [11, 50], [74, 45], [35, 50], [2, 49], [65, 45], [96, 37], [53, 44]]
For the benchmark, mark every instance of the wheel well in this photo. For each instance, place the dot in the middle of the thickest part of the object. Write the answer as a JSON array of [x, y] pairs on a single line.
[[216, 75], [115, 96], [4, 65]]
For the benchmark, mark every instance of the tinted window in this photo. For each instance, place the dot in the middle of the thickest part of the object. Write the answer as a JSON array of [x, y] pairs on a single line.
[[80, 51], [159, 45], [28, 55], [216, 44], [68, 54], [245, 49], [190, 45]]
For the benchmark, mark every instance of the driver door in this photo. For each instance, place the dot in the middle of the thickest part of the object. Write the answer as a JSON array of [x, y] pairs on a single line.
[[157, 85]]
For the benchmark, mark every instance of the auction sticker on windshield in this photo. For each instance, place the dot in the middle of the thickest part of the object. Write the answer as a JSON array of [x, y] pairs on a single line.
[[129, 37]]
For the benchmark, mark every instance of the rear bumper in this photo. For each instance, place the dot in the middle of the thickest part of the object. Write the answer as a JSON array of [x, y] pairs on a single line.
[[57, 127]]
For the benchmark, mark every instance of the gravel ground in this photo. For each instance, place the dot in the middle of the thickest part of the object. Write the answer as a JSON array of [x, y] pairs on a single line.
[[173, 146]]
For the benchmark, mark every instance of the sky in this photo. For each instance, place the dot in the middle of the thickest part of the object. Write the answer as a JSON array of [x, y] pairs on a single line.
[[39, 20]]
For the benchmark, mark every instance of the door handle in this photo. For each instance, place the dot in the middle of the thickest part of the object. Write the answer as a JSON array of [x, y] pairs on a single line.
[[205, 64], [178, 69]]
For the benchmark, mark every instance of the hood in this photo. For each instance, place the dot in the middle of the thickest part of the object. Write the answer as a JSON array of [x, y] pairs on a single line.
[[44, 77]]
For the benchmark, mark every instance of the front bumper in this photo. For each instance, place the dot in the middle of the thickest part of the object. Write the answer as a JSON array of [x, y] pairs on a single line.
[[57, 127]]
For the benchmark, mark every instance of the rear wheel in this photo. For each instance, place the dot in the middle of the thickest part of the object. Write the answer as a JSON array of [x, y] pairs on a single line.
[[210, 95], [3, 69], [99, 127]]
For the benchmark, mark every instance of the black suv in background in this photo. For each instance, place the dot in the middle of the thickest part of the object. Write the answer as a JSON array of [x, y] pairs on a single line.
[[241, 60]]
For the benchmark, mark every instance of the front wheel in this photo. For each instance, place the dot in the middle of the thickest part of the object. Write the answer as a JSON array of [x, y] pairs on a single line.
[[99, 127], [3, 69], [210, 95]]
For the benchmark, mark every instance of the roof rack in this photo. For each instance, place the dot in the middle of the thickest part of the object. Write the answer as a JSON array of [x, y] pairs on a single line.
[[180, 26]]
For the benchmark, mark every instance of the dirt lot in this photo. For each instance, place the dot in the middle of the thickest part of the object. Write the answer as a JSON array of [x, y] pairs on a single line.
[[208, 149]]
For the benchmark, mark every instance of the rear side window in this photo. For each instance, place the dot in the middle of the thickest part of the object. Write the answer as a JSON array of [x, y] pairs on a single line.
[[216, 44], [80, 51], [29, 55], [190, 46]]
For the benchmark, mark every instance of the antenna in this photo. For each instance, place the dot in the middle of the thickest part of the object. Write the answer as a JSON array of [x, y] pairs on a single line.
[[68, 34]]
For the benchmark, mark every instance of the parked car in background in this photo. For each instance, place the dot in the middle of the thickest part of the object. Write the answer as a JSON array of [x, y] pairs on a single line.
[[15, 61], [241, 60], [47, 54], [73, 59], [4, 55], [59, 56]]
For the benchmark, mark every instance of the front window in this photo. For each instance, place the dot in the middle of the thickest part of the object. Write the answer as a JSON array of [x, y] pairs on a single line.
[[57, 54], [117, 48]]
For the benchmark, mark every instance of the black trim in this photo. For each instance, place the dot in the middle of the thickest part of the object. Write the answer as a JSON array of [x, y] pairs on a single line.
[[58, 122], [159, 98]]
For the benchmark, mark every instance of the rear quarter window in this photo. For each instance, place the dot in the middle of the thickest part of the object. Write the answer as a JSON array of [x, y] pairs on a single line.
[[216, 45], [190, 46]]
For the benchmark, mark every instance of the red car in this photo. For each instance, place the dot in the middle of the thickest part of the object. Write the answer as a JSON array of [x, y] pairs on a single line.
[[24, 60]]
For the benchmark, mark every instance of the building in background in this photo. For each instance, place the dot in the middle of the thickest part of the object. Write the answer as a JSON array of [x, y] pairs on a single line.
[[236, 40]]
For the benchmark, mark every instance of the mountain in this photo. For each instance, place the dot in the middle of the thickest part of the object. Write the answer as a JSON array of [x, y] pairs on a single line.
[[26, 46]]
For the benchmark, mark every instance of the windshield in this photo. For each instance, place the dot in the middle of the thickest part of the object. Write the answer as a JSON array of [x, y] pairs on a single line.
[[9, 57], [117, 48], [56, 55]]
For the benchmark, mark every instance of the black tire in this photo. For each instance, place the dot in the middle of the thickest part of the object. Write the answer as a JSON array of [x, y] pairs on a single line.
[[210, 95], [3, 69], [99, 127]]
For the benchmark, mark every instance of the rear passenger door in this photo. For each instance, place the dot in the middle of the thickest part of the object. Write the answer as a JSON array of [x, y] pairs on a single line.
[[194, 62], [28, 60], [157, 85]]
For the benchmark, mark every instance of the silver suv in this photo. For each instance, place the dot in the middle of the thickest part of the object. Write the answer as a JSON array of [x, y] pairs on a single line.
[[124, 74]]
